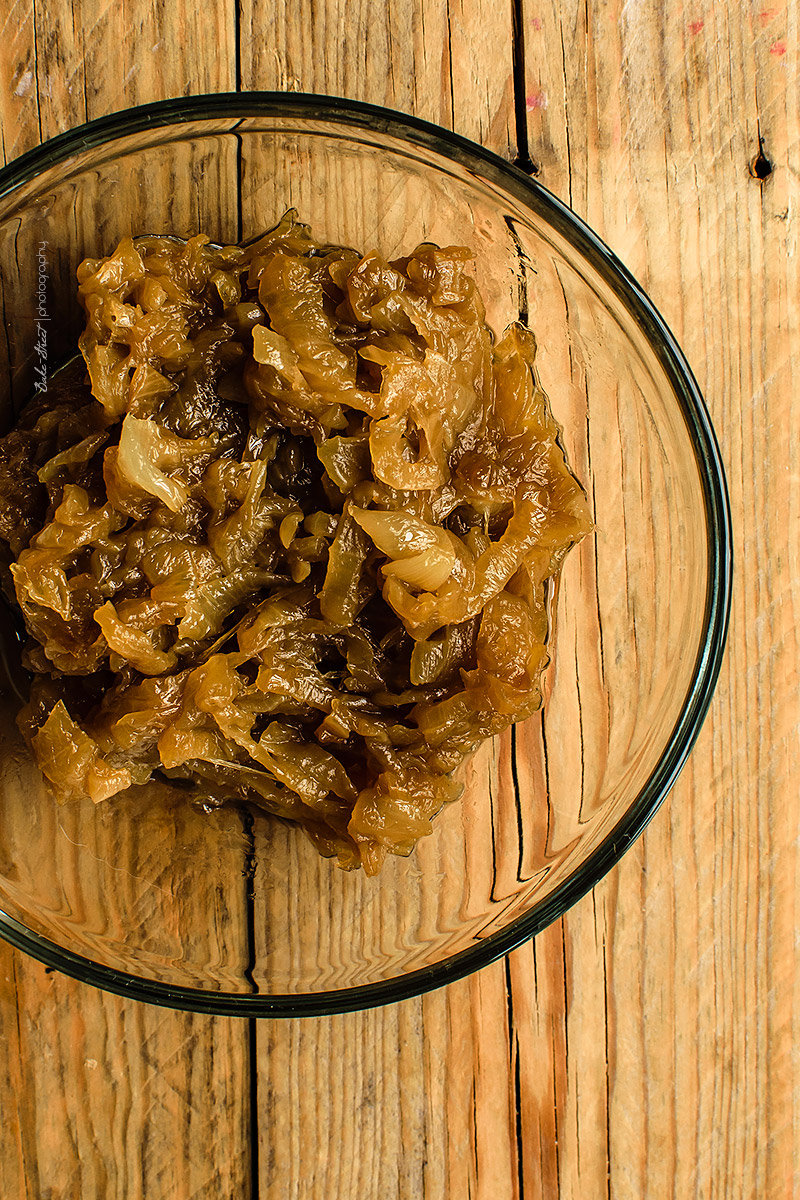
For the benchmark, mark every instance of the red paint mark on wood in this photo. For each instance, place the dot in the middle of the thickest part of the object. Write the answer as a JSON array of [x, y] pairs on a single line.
[[778, 48], [696, 26], [537, 99], [536, 22], [766, 15]]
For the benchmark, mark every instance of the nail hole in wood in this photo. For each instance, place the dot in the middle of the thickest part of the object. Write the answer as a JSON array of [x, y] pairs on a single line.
[[761, 167]]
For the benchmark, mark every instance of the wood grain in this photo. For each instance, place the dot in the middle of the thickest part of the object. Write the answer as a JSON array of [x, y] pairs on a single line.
[[109, 1098], [63, 63], [644, 1045], [112, 1098], [449, 61], [648, 121], [409, 1120]]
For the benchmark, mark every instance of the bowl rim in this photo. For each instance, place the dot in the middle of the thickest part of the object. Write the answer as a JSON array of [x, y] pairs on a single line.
[[486, 164]]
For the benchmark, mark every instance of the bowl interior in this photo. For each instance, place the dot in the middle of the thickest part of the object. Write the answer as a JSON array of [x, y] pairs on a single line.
[[232, 904]]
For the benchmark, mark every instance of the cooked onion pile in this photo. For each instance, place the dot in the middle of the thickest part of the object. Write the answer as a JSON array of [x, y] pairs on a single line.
[[291, 540]]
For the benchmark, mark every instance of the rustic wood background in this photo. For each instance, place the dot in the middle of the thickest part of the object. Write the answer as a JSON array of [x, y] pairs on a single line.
[[645, 1045]]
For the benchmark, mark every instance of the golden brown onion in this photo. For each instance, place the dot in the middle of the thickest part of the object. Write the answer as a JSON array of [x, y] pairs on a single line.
[[286, 532]]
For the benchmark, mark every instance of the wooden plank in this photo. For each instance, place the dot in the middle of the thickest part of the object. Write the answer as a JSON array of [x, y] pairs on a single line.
[[639, 1013], [64, 63], [409, 1100], [448, 61], [108, 1097], [679, 986], [111, 1097], [398, 1092]]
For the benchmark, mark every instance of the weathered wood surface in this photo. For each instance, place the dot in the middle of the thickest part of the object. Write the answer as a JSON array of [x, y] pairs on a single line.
[[645, 1045], [108, 1098]]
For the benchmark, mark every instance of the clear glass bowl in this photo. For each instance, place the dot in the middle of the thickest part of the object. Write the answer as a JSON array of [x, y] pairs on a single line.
[[231, 911]]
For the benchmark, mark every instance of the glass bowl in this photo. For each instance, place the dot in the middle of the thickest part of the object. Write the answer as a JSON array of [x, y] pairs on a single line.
[[231, 911]]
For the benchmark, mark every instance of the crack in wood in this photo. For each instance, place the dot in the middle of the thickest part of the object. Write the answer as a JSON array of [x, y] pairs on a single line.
[[523, 158]]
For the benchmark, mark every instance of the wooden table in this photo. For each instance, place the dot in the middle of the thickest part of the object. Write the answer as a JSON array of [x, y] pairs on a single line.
[[644, 1045]]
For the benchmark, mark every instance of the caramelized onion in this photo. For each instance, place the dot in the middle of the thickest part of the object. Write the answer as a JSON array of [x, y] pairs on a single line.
[[285, 531]]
